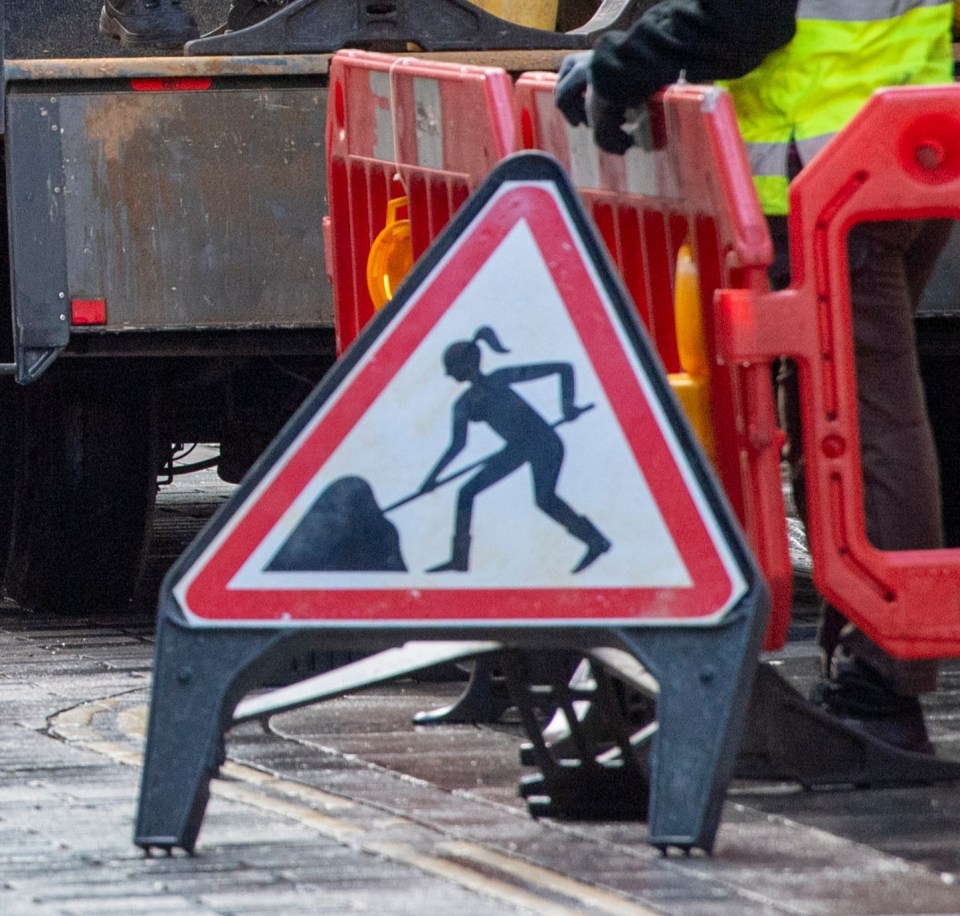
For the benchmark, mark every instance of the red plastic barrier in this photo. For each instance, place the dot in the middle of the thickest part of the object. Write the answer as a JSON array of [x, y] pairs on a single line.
[[360, 179], [391, 133], [696, 181], [899, 159], [399, 126]]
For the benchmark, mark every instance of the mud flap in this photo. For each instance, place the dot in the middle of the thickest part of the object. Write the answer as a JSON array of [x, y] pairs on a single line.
[[38, 260]]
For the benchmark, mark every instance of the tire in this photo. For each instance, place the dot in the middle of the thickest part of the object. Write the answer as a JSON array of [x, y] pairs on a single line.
[[86, 475]]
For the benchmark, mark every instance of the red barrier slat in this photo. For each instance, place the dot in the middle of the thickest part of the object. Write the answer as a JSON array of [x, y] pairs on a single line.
[[442, 127], [360, 169]]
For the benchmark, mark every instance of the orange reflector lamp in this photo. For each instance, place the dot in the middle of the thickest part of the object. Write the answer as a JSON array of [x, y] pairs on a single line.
[[88, 311], [692, 385], [391, 255]]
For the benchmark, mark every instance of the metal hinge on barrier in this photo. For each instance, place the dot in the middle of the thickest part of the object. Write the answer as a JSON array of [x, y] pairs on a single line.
[[325, 26]]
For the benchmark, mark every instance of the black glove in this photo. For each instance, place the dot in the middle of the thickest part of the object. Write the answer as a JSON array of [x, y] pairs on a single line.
[[572, 79], [606, 120]]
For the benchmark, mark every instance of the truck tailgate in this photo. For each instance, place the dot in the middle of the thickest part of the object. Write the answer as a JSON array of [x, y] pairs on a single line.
[[179, 201]]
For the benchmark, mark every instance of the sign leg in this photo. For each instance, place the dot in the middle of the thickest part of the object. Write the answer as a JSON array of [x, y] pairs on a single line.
[[593, 756], [199, 675], [705, 679], [665, 756]]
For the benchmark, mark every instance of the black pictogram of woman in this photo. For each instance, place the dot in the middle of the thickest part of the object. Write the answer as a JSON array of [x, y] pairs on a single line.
[[529, 439]]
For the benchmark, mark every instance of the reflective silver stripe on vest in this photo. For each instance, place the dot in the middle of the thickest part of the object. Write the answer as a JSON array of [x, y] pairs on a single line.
[[769, 160], [859, 10], [811, 146]]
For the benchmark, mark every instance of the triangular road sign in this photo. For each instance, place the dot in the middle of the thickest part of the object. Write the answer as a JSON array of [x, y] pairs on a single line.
[[499, 446]]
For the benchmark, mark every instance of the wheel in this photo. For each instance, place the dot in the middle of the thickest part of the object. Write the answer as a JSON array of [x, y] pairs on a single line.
[[85, 485]]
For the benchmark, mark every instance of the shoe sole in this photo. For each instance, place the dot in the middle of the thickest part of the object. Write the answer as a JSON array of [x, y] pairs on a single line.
[[111, 28]]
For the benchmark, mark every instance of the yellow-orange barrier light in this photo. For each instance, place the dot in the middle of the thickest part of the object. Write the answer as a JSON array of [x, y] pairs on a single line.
[[391, 255], [692, 385]]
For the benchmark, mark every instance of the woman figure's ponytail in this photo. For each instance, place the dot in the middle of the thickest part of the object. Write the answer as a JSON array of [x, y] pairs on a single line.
[[489, 337], [462, 358]]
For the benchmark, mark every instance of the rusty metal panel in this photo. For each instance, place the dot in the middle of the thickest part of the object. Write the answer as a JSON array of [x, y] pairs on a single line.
[[197, 209]]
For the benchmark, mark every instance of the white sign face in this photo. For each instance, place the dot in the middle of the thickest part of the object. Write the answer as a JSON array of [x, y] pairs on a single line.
[[514, 543], [497, 452]]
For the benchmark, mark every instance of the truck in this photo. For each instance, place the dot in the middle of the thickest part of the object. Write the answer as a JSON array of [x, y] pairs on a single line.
[[166, 280]]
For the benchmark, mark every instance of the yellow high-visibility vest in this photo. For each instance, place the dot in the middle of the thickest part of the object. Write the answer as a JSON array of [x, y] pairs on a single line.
[[806, 91]]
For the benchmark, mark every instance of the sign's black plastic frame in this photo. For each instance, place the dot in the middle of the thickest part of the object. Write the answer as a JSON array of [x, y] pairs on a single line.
[[705, 672]]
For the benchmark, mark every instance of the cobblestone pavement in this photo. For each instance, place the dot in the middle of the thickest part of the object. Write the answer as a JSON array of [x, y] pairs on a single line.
[[348, 807]]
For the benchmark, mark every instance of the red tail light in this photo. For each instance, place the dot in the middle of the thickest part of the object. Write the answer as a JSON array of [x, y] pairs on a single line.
[[88, 311], [171, 83]]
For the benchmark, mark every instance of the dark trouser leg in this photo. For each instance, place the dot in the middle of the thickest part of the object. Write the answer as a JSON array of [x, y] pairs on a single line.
[[889, 266]]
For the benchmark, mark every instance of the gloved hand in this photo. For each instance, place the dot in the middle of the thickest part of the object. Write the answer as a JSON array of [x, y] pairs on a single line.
[[572, 79], [606, 120]]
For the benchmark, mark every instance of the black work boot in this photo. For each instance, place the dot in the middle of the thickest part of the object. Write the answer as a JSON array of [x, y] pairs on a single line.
[[148, 23], [859, 697]]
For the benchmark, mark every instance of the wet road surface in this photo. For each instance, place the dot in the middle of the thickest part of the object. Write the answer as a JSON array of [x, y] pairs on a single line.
[[348, 807]]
